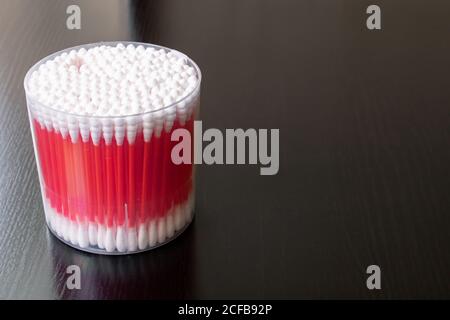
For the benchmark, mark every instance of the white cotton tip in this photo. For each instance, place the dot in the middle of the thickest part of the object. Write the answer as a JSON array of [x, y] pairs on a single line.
[[121, 239], [142, 236], [83, 236], [63, 129], [54, 220], [119, 130], [96, 130], [107, 130], [73, 232], [168, 124], [101, 234], [58, 224], [48, 215], [93, 236], [132, 239], [131, 129], [48, 122], [178, 218], [84, 130], [65, 228], [158, 122], [110, 241], [55, 123], [170, 224], [152, 233], [51, 217], [147, 126], [51, 222], [73, 129], [162, 230], [38, 117]]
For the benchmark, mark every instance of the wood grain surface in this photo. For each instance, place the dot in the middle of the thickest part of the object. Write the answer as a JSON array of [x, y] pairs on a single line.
[[364, 151]]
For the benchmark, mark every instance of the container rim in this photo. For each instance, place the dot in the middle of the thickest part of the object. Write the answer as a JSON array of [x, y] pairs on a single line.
[[111, 43]]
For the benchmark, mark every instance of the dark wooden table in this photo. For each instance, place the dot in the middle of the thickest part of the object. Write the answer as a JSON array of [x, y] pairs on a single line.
[[364, 151]]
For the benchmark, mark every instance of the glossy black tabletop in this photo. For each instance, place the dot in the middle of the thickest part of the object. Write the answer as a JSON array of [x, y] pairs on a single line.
[[364, 151]]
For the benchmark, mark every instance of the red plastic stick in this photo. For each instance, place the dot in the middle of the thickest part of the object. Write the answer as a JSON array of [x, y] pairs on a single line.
[[110, 214], [61, 172], [145, 201], [89, 182], [51, 180], [99, 182], [120, 185], [163, 198], [78, 177], [155, 177], [42, 154], [131, 206]]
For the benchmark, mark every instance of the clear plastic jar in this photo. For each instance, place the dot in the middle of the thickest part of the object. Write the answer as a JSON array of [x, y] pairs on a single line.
[[108, 183]]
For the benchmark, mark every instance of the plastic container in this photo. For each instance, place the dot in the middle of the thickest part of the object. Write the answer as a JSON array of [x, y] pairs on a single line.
[[108, 183]]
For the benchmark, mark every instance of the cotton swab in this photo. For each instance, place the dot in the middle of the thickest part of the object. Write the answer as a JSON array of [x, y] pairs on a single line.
[[77, 195], [162, 197], [131, 204], [153, 180], [99, 151], [92, 193], [109, 239], [143, 232], [121, 240], [65, 222], [96, 228], [166, 198]]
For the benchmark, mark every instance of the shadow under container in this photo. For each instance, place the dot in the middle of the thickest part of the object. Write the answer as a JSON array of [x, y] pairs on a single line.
[[108, 184]]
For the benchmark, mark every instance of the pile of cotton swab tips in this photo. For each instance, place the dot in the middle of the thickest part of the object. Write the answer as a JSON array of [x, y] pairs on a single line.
[[102, 117]]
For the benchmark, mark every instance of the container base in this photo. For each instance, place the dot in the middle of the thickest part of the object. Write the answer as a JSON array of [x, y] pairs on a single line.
[[97, 250], [98, 239]]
